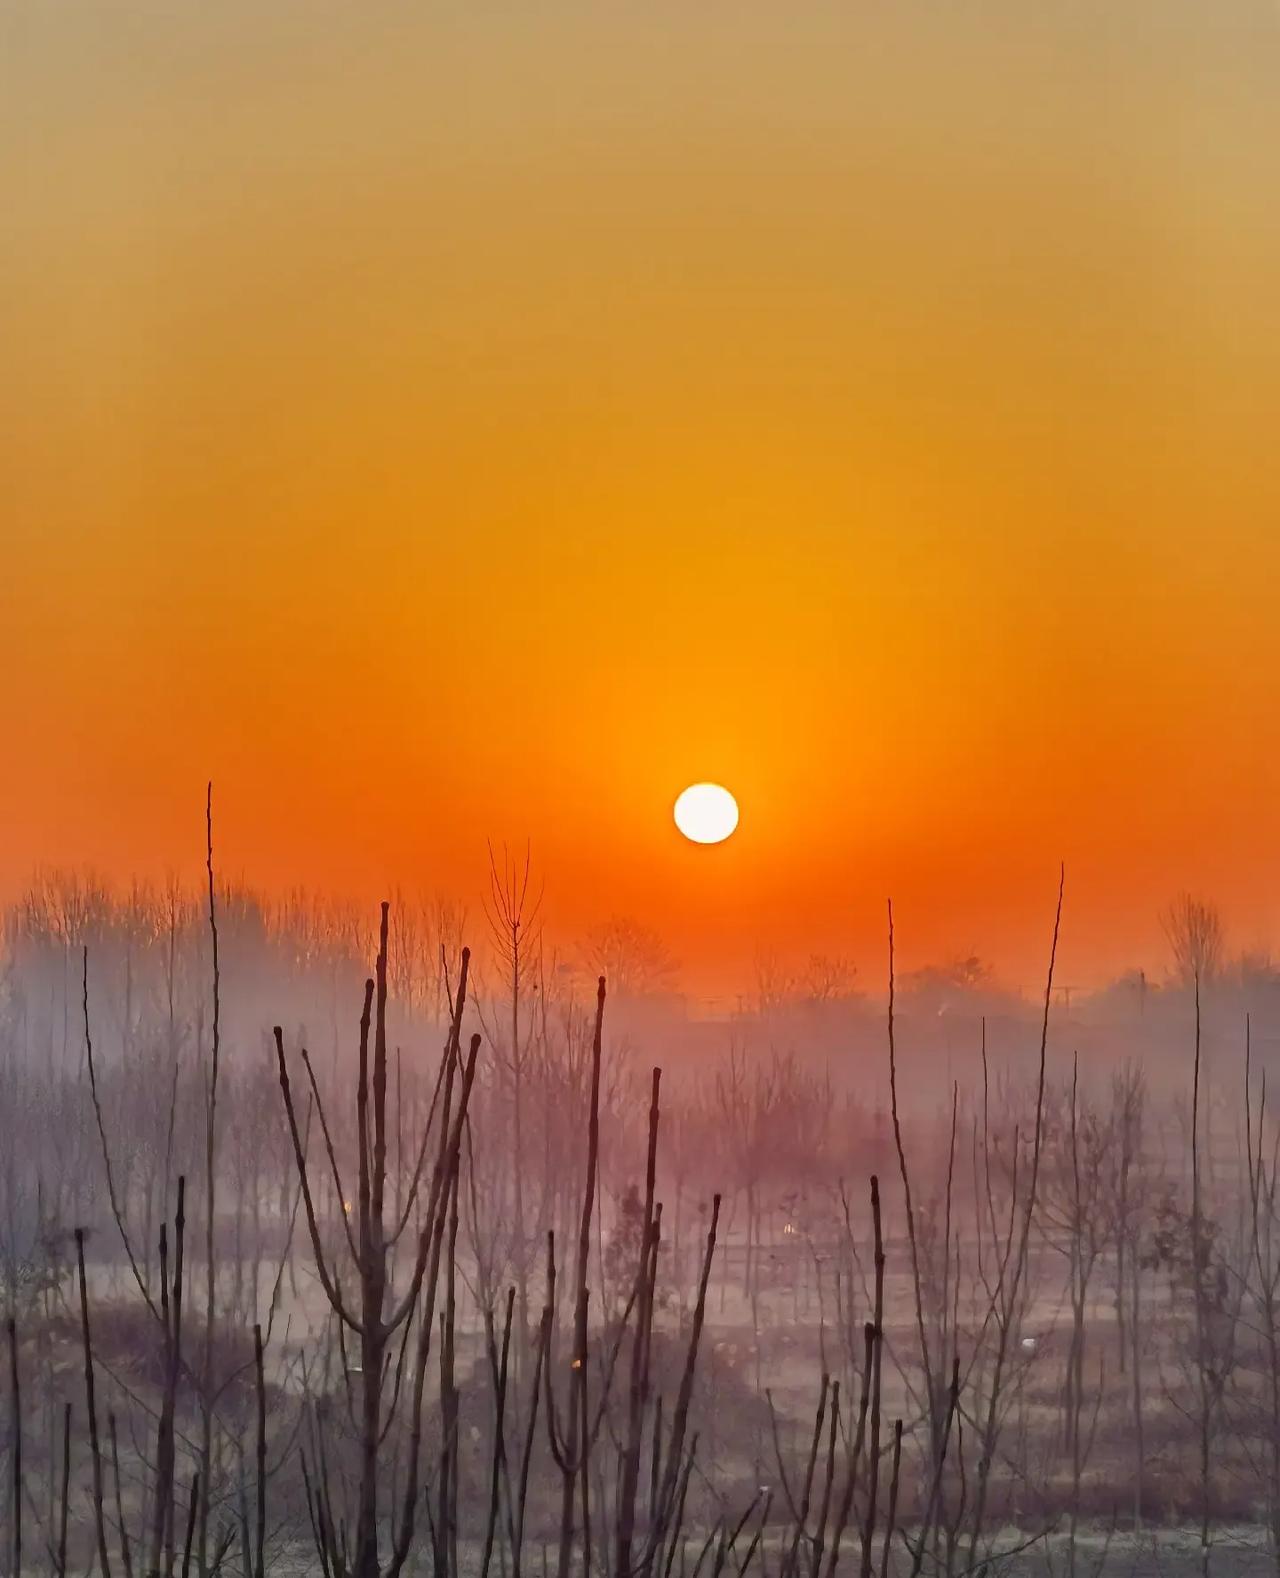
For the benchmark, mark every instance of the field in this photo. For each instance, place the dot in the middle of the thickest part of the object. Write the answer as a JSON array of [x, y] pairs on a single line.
[[523, 1304]]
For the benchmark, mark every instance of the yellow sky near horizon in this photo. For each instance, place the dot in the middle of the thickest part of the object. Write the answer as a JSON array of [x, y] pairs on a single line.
[[446, 421]]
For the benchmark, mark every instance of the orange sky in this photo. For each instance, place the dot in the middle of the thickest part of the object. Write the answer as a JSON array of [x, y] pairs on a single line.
[[439, 420]]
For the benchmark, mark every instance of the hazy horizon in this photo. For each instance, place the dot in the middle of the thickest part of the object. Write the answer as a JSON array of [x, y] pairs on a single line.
[[458, 423]]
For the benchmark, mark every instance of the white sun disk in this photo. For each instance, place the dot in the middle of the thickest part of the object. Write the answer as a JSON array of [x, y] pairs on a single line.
[[706, 813]]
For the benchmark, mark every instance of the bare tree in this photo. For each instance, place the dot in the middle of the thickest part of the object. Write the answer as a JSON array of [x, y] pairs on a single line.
[[378, 1311], [631, 957], [1193, 929], [513, 911]]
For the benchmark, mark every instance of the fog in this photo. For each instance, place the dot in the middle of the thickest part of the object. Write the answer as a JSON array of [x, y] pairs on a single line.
[[443, 1274]]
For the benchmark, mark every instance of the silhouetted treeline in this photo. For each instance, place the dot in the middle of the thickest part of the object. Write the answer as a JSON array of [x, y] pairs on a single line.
[[430, 1270]]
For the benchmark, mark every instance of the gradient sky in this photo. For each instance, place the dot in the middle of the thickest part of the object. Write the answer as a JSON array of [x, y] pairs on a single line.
[[434, 421]]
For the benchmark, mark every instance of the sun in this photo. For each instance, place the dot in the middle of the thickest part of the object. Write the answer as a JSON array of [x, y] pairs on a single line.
[[706, 813]]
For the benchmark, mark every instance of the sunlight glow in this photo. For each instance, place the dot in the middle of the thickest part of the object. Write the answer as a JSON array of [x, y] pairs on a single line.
[[706, 813]]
